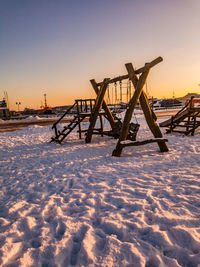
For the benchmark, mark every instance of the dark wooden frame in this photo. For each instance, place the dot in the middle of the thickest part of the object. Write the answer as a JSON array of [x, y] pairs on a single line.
[[140, 95], [122, 131], [184, 121]]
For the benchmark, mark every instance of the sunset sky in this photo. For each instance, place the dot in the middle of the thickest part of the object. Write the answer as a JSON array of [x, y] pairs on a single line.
[[56, 46]]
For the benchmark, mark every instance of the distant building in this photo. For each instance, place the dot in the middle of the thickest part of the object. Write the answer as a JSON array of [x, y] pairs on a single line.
[[188, 96], [4, 111], [45, 111], [61, 108], [29, 111], [171, 102]]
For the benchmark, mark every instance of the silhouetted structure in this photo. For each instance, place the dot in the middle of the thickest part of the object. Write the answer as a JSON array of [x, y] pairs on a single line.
[[4, 111], [186, 121], [94, 109]]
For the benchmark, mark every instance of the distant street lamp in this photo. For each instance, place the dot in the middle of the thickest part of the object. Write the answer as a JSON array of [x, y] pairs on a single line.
[[18, 104]]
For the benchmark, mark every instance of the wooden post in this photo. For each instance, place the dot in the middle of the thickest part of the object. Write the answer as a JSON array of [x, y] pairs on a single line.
[[101, 124], [104, 105], [194, 125], [125, 126], [78, 114], [191, 104], [151, 123], [81, 106], [188, 123], [146, 107], [90, 105], [96, 110], [147, 110], [171, 124], [56, 132]]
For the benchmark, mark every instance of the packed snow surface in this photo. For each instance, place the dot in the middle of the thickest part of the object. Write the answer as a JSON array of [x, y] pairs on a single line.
[[76, 205]]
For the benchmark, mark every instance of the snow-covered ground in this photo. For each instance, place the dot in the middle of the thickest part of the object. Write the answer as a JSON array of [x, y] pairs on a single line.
[[76, 205]]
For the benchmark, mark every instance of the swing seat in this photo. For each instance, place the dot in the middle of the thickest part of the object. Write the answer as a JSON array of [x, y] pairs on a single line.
[[133, 130]]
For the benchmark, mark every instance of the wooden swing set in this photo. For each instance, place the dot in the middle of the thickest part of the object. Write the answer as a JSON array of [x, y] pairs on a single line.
[[125, 131]]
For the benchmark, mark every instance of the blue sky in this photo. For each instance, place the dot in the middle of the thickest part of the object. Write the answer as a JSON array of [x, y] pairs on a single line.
[[56, 47]]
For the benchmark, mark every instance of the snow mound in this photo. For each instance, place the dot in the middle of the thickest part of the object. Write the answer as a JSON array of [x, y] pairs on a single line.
[[33, 118]]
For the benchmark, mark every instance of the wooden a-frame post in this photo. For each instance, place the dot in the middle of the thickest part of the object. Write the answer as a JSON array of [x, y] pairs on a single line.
[[147, 109], [96, 110], [139, 94], [104, 105]]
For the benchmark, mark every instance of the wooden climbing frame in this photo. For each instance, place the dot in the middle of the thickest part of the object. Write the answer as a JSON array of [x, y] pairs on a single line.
[[82, 109], [186, 120]]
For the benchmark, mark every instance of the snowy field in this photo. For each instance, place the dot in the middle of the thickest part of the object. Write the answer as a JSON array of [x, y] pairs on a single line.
[[76, 205]]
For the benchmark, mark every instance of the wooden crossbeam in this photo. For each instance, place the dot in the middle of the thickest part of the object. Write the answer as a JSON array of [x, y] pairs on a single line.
[[143, 142], [138, 71]]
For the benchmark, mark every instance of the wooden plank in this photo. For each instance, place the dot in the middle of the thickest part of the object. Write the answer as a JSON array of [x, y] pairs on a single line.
[[143, 142], [96, 110], [176, 131]]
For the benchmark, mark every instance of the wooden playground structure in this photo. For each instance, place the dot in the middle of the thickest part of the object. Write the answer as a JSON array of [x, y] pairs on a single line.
[[125, 131], [186, 121]]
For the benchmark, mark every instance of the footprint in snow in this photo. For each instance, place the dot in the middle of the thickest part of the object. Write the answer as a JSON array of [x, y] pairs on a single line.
[[60, 231], [77, 242]]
